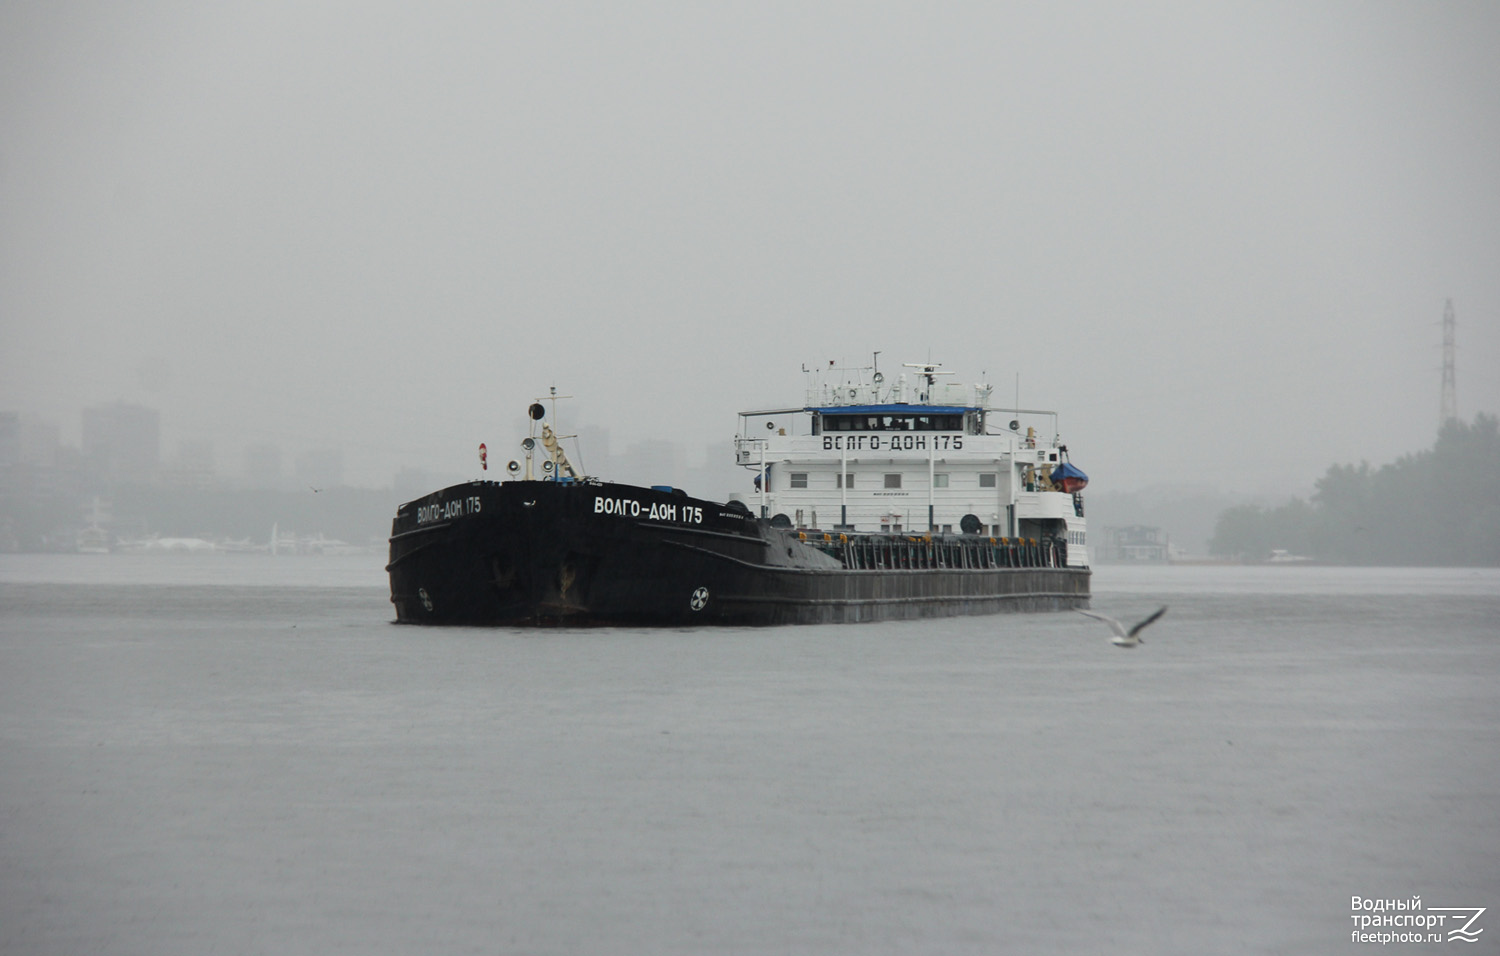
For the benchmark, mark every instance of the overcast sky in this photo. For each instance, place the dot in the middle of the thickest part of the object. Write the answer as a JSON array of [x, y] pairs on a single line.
[[1218, 238]]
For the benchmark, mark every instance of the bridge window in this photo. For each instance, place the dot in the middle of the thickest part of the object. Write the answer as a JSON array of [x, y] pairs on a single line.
[[892, 423], [799, 479], [893, 481], [987, 480], [939, 481]]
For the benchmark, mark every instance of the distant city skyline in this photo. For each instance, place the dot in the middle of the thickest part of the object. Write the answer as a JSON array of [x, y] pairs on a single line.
[[124, 445], [1217, 239]]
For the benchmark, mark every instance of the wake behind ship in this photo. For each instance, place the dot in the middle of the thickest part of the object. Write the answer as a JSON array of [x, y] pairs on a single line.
[[934, 513]]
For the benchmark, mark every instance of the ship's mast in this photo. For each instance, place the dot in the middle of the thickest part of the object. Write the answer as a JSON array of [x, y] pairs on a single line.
[[557, 464]]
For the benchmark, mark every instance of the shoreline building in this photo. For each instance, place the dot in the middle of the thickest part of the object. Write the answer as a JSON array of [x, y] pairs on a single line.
[[1135, 544]]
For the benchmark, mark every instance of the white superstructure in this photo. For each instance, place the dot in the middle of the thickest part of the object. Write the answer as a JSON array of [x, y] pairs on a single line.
[[866, 456]]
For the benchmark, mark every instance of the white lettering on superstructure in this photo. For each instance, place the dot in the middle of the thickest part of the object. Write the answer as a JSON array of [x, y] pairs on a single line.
[[891, 443]]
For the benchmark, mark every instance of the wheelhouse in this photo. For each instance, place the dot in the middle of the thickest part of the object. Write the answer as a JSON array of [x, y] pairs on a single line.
[[923, 456]]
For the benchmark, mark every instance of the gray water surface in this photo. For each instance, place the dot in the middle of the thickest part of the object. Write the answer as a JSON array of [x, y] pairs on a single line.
[[248, 757]]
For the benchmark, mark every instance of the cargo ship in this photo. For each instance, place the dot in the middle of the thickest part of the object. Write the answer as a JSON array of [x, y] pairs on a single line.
[[868, 502]]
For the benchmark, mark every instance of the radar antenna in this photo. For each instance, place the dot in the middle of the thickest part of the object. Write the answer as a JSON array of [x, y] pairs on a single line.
[[928, 370]]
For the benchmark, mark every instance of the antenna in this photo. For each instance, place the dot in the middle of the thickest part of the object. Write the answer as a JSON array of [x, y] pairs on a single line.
[[929, 371], [1448, 410]]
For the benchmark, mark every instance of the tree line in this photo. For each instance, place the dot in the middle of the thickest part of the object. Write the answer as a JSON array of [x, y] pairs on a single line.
[[1437, 507]]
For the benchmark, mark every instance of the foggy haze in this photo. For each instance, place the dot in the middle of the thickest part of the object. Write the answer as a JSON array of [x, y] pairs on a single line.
[[1217, 239]]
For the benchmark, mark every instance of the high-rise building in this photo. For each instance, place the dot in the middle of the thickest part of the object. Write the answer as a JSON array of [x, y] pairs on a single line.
[[10, 439], [654, 461], [192, 466], [40, 442], [122, 442], [591, 450], [321, 467], [263, 465]]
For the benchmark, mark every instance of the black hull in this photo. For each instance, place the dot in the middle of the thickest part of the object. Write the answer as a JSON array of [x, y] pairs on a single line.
[[575, 554]]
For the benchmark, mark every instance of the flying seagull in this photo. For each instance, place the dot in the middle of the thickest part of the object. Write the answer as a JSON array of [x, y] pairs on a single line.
[[1124, 638]]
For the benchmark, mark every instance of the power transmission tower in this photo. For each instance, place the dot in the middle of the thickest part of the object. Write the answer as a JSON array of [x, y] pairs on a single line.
[[1449, 410]]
